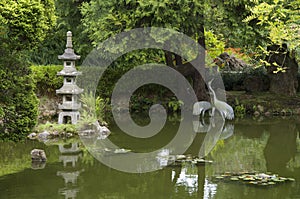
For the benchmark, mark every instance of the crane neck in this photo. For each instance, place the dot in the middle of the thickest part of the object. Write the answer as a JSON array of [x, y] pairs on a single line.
[[213, 92]]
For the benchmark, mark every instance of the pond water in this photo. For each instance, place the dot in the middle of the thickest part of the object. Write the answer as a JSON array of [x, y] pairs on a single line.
[[269, 145]]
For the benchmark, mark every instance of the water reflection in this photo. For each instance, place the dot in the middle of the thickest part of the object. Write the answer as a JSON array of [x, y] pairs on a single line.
[[188, 178], [70, 175], [215, 130], [38, 164], [294, 163], [210, 189]]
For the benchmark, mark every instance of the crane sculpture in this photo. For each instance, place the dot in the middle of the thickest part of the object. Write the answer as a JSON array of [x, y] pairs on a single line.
[[225, 110]]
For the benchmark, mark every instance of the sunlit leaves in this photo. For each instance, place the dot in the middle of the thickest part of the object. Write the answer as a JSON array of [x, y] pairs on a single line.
[[280, 18], [24, 23]]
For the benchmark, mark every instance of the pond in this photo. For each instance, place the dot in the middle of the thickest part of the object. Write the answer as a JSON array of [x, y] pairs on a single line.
[[268, 145]]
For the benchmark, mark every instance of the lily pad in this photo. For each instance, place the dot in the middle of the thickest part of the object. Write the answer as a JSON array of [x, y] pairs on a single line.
[[259, 179], [219, 177]]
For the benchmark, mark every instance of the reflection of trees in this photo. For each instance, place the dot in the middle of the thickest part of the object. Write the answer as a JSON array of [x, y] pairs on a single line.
[[239, 154], [15, 157], [294, 163], [281, 146]]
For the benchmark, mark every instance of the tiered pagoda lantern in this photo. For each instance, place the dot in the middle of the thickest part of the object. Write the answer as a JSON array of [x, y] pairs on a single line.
[[69, 91]]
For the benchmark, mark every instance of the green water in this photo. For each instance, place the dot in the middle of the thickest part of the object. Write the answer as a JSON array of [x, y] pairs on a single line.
[[268, 145]]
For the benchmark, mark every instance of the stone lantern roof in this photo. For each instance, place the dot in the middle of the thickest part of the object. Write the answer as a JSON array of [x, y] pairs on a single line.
[[69, 52], [69, 71], [69, 89]]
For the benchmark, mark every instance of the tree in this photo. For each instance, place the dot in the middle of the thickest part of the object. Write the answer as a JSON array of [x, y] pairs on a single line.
[[105, 18], [271, 32], [23, 24], [279, 25], [68, 19]]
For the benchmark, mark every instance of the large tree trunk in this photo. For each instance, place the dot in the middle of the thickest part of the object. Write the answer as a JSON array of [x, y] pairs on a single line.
[[198, 81], [285, 83], [189, 70]]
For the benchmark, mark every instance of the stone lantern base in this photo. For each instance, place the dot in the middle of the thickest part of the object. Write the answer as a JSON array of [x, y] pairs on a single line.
[[64, 116]]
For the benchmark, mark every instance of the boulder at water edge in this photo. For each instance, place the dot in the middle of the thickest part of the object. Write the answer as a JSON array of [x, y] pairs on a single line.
[[38, 155]]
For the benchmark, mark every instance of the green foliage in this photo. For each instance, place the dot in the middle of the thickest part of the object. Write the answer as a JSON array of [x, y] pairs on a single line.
[[46, 79], [102, 108], [60, 128], [93, 109], [278, 24], [175, 104], [214, 44], [18, 113], [239, 109], [104, 19], [68, 19], [225, 17], [23, 24]]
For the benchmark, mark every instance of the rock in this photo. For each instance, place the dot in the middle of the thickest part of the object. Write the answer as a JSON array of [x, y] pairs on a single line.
[[44, 135], [260, 108], [32, 136], [256, 113], [230, 62], [55, 133], [104, 130], [38, 155], [267, 114], [52, 112]]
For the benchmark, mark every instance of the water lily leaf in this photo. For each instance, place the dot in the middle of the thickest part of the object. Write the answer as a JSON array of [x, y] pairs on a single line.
[[219, 177]]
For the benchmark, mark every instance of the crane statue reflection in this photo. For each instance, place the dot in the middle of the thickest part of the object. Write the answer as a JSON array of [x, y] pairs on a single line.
[[216, 128]]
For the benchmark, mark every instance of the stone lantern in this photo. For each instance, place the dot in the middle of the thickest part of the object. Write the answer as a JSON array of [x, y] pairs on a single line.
[[69, 91]]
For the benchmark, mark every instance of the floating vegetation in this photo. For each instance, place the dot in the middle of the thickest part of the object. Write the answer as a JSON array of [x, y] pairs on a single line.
[[253, 178], [117, 151], [178, 160]]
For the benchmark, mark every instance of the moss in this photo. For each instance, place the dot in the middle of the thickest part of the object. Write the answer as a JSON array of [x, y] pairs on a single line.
[[52, 127], [265, 102]]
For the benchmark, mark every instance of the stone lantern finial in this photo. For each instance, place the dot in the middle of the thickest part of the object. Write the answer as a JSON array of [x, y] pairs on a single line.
[[69, 40], [69, 52]]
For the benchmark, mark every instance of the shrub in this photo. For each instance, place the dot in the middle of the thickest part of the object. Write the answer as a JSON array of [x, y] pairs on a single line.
[[46, 79], [18, 113]]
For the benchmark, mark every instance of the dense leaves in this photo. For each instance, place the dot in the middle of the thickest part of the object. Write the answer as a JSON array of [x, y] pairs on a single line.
[[68, 19], [23, 24], [103, 19], [46, 79], [17, 99]]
